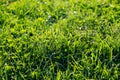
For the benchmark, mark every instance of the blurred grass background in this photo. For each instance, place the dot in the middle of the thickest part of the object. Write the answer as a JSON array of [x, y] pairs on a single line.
[[59, 39]]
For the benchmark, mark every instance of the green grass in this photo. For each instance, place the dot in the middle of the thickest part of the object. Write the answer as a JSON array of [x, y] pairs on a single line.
[[59, 39]]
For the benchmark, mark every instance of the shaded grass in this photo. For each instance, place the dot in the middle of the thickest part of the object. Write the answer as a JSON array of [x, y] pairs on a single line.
[[61, 40]]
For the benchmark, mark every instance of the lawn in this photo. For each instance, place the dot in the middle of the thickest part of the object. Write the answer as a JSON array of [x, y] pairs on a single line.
[[59, 39]]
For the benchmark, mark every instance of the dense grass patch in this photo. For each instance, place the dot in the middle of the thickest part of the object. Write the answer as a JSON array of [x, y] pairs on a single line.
[[59, 39]]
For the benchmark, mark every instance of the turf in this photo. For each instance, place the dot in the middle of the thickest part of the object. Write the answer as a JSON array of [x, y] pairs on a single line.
[[59, 39]]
